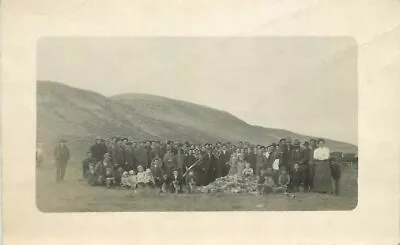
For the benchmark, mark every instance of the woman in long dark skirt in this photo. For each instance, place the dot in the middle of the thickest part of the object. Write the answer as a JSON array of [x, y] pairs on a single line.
[[323, 176]]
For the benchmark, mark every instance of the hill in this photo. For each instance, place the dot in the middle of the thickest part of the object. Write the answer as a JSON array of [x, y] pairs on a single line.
[[80, 115]]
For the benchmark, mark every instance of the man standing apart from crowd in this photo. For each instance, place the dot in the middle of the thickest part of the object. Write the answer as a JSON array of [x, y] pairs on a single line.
[[61, 158]]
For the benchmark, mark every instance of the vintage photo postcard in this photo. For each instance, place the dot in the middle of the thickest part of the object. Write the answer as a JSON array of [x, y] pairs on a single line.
[[198, 122]]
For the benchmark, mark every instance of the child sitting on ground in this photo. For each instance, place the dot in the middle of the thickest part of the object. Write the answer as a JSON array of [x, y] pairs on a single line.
[[247, 171], [283, 181], [261, 182], [132, 179], [165, 181], [110, 179], [176, 182], [141, 176], [125, 180], [149, 180], [190, 181]]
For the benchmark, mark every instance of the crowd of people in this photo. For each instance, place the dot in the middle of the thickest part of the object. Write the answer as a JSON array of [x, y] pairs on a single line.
[[181, 166], [170, 166]]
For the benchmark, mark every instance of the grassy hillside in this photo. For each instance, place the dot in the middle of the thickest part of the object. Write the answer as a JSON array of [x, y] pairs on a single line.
[[80, 115]]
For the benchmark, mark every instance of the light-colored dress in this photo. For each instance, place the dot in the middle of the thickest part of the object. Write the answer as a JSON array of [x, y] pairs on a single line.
[[233, 169], [240, 167], [322, 176]]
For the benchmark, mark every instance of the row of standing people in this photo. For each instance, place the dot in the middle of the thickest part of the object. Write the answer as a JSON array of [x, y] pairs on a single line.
[[214, 161]]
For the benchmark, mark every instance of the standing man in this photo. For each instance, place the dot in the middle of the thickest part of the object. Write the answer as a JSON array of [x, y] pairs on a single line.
[[118, 159], [223, 160], [284, 152], [261, 161], [98, 150], [61, 157]]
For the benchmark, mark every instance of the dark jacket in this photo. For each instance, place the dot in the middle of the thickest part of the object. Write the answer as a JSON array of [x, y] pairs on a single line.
[[61, 154], [118, 155], [98, 151], [130, 160], [141, 157]]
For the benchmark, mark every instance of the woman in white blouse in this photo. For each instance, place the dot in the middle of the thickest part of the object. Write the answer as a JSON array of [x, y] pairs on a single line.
[[322, 177]]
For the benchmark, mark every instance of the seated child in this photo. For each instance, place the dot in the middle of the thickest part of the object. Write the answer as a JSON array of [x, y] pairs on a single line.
[[269, 181], [283, 181], [141, 176], [247, 171], [149, 180], [157, 171], [132, 179], [261, 181], [176, 182], [165, 181], [110, 179], [125, 180], [190, 181]]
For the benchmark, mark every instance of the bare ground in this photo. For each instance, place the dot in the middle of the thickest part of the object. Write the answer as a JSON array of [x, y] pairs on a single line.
[[73, 195]]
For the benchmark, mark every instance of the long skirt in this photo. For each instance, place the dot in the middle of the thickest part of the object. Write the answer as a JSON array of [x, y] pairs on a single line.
[[322, 177]]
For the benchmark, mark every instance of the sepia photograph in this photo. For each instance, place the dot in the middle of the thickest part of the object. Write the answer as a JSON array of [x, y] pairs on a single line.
[[128, 124]]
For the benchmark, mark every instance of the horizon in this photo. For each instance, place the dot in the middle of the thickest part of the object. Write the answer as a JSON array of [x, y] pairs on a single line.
[[186, 69], [165, 97]]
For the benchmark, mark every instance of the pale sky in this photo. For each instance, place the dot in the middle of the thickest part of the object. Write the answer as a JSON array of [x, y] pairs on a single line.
[[305, 85]]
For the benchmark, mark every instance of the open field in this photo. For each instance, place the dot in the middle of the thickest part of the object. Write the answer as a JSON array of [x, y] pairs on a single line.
[[73, 195]]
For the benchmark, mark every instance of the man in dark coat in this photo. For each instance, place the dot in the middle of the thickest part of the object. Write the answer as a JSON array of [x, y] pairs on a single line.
[[251, 158], [212, 166], [130, 160], [305, 166], [261, 162], [283, 149], [201, 170], [223, 160], [169, 161], [98, 150], [141, 156], [61, 157], [118, 160]]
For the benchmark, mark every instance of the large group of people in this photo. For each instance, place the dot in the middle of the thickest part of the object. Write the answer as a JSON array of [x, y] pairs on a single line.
[[171, 166]]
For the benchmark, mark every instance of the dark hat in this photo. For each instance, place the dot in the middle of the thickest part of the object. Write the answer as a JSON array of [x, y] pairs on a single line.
[[306, 143], [296, 142], [274, 144], [63, 141]]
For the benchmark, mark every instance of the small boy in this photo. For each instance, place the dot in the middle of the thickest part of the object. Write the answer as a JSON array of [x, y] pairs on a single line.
[[283, 181], [164, 183], [191, 182], [132, 179], [247, 171], [110, 179], [261, 181], [125, 180], [176, 182]]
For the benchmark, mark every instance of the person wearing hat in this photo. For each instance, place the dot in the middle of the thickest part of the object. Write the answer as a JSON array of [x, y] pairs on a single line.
[[305, 166], [130, 160], [223, 160], [98, 149], [61, 157], [296, 154]]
